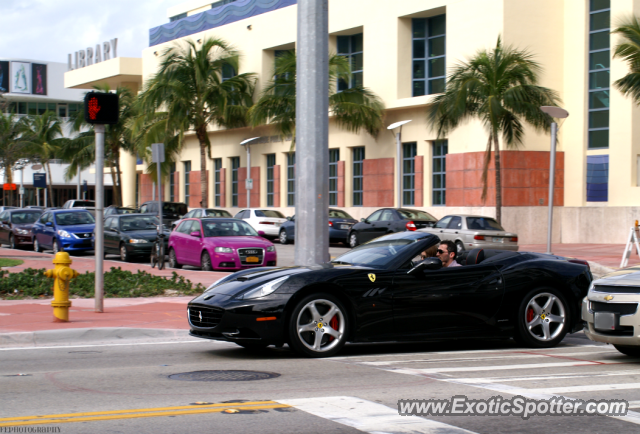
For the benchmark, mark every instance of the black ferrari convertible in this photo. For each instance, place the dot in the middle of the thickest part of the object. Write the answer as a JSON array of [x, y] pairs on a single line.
[[381, 292]]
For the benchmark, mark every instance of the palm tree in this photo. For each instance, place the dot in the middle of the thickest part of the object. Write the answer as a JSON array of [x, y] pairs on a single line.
[[499, 88], [13, 148], [354, 109], [80, 152], [629, 51], [190, 87], [43, 133]]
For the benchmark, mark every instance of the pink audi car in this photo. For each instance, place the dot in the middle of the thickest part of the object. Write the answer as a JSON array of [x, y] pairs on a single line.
[[219, 244]]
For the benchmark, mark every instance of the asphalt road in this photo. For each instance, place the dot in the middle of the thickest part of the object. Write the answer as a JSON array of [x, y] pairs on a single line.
[[126, 387]]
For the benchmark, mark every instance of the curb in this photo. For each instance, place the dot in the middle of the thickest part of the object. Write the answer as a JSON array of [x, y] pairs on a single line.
[[89, 335]]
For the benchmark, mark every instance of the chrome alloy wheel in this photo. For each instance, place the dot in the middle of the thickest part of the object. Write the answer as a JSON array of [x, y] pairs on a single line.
[[320, 325], [283, 237], [545, 316], [353, 240]]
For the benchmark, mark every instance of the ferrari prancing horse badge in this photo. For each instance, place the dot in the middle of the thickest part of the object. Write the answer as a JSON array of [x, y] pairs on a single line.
[[372, 277]]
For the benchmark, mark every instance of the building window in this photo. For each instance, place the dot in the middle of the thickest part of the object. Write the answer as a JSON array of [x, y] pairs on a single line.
[[283, 81], [358, 158], [217, 166], [291, 179], [439, 170], [235, 164], [177, 17], [334, 157], [271, 161], [172, 183], [227, 72], [221, 3], [409, 173], [598, 178], [429, 59], [599, 62], [187, 172], [351, 48]]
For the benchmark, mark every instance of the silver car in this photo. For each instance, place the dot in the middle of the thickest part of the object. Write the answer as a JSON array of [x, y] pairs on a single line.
[[474, 232]]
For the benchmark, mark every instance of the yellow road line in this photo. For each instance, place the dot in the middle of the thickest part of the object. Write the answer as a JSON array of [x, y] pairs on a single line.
[[150, 412]]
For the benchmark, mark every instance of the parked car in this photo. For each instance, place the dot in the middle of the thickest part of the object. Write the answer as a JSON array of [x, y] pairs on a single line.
[[64, 229], [75, 203], [115, 210], [340, 223], [35, 207], [265, 220], [4, 208], [131, 235], [171, 211], [389, 220], [219, 244], [375, 293], [610, 310], [16, 226], [203, 213], [473, 232]]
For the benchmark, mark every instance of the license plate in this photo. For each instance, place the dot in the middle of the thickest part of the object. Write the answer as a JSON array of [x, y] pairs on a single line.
[[605, 320], [252, 259], [498, 240], [344, 226]]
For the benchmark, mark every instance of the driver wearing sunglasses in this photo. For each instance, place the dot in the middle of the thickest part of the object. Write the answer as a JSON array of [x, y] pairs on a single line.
[[447, 254]]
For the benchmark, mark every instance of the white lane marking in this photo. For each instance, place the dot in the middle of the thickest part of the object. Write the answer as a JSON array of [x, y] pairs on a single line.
[[634, 404], [418, 371], [589, 388], [546, 377], [369, 416], [106, 345]]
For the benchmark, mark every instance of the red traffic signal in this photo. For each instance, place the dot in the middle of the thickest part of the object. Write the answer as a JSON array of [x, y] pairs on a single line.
[[9, 187], [101, 108]]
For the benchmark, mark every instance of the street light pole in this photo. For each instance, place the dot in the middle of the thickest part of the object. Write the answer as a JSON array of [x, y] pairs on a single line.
[[554, 112], [398, 159], [248, 183], [99, 229]]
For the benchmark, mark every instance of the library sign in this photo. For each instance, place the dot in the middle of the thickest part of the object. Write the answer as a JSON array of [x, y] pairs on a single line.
[[105, 51]]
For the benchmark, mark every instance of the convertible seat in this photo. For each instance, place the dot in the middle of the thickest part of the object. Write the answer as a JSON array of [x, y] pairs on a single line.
[[475, 256]]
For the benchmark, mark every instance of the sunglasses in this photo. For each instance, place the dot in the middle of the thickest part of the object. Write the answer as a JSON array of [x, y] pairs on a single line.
[[440, 252]]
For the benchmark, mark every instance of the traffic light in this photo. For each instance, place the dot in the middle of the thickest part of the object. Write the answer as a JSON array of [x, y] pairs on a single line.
[[101, 108]]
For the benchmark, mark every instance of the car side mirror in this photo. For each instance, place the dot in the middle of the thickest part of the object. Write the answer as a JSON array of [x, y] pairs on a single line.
[[364, 220], [261, 233], [427, 264], [195, 234], [289, 218], [48, 224]]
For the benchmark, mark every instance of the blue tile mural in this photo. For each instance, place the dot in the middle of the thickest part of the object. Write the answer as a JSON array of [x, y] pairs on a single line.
[[216, 17], [598, 178]]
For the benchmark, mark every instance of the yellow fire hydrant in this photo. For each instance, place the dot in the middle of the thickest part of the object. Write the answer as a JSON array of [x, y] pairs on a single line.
[[61, 274]]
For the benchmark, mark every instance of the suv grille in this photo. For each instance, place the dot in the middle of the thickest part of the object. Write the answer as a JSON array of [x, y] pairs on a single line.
[[619, 308], [252, 252], [617, 289], [204, 316]]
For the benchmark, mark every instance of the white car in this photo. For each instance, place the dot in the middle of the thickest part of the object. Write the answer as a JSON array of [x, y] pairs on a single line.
[[265, 220], [611, 311]]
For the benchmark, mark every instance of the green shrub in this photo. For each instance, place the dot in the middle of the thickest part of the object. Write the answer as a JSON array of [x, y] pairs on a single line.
[[117, 284]]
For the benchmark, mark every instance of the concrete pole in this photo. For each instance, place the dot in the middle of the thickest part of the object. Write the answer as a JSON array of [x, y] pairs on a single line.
[[246, 183], [399, 166], [99, 230], [45, 197], [79, 182], [312, 134], [552, 173], [22, 188], [161, 228]]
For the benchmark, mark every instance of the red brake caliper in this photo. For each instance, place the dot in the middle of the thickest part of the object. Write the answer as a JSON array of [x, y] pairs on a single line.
[[334, 325], [530, 315]]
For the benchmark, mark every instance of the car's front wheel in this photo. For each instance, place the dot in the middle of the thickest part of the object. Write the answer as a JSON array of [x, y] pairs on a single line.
[[633, 351], [543, 318], [56, 247], [173, 259], [36, 245], [205, 262], [124, 255], [353, 240], [284, 239], [318, 326], [12, 242]]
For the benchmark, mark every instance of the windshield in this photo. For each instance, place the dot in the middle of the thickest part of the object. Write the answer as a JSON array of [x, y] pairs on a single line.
[[414, 214], [227, 229], [269, 213], [483, 224], [83, 203], [25, 217], [74, 218], [374, 254], [339, 214], [174, 208], [216, 213], [138, 223], [125, 211]]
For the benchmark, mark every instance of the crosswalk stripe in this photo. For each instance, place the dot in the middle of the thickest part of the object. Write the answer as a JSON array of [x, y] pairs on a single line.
[[589, 388], [545, 377], [369, 416], [427, 371]]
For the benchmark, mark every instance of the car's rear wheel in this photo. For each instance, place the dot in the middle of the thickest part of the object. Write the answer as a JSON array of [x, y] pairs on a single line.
[[353, 240], [284, 239], [36, 245], [124, 255], [318, 326], [633, 351], [543, 318], [205, 262], [56, 247], [173, 259], [459, 247], [12, 242]]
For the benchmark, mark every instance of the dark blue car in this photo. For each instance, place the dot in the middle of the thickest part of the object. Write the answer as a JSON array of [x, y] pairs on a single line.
[[340, 223], [64, 229]]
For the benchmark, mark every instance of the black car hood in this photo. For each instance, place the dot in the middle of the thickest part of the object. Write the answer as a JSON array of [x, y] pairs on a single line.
[[145, 234]]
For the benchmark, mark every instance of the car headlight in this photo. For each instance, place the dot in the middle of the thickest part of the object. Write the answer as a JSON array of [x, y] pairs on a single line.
[[64, 234], [134, 241], [264, 290], [22, 232], [223, 250], [271, 249]]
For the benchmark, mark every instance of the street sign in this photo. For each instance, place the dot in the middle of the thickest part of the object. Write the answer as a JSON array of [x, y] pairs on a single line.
[[101, 108], [249, 184], [40, 180], [84, 186], [157, 152], [8, 186], [22, 190]]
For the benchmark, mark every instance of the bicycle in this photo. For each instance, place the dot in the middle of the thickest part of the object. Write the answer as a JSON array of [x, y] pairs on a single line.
[[157, 252]]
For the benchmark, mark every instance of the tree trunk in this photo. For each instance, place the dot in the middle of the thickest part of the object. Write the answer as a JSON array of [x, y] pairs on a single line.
[[49, 184], [204, 188], [118, 181], [116, 197], [496, 156], [9, 179]]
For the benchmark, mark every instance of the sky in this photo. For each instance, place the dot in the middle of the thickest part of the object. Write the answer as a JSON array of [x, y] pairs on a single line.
[[48, 30]]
